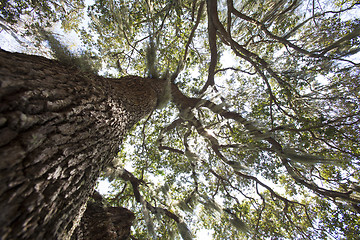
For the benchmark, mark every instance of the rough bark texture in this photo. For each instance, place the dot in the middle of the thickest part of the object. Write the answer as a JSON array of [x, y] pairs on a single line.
[[58, 128], [100, 222]]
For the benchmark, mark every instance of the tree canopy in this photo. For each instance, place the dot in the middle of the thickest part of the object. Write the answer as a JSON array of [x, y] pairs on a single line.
[[265, 142]]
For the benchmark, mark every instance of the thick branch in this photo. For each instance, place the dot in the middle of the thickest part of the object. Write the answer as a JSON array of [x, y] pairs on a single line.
[[212, 13]]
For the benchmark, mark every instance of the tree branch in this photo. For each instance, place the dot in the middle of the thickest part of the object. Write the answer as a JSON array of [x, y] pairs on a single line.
[[212, 12]]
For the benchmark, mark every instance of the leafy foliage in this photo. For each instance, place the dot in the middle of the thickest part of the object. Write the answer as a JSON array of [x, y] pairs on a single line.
[[261, 140]]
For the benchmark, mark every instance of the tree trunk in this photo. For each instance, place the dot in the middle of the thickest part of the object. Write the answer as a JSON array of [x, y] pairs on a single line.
[[58, 128], [105, 223]]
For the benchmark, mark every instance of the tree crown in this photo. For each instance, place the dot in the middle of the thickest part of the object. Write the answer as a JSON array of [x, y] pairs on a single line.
[[260, 141]]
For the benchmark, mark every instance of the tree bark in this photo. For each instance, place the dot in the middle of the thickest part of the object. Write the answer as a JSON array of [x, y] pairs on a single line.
[[58, 128], [105, 223]]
